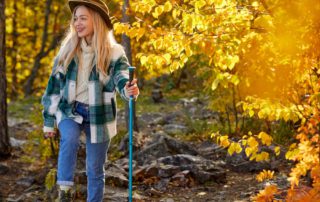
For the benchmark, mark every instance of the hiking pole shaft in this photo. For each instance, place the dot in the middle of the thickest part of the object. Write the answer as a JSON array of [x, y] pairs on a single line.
[[131, 73]]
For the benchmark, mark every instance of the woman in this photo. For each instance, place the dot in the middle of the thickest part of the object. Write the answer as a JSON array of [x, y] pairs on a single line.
[[80, 95]]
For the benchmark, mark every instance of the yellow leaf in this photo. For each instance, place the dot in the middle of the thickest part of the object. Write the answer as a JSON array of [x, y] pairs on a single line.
[[158, 11], [199, 4], [167, 6], [292, 154], [277, 150], [263, 156], [167, 56], [251, 113], [255, 4], [188, 51], [267, 194], [143, 60], [215, 84], [224, 141], [265, 174], [244, 142], [248, 151], [234, 147], [265, 138], [252, 142]]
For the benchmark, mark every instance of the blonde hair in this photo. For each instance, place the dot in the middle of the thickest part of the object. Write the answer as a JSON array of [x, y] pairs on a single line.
[[101, 44]]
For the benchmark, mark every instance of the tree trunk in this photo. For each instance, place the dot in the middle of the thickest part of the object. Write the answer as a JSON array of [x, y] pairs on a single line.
[[235, 110], [125, 41], [4, 136]]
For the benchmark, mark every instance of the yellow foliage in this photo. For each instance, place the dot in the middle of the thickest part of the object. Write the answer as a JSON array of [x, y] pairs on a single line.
[[263, 156], [266, 195], [234, 147], [252, 142], [265, 174], [50, 180], [265, 138], [277, 150], [224, 141]]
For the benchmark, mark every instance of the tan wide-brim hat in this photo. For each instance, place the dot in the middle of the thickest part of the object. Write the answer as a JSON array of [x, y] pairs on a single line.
[[97, 5]]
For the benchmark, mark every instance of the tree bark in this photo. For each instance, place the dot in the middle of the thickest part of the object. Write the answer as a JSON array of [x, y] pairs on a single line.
[[4, 136], [28, 87], [125, 42]]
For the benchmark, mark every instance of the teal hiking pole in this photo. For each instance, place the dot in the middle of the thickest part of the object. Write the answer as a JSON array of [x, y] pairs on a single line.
[[131, 102]]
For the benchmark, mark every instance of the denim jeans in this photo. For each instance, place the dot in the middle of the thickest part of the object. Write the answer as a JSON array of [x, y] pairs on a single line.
[[95, 155]]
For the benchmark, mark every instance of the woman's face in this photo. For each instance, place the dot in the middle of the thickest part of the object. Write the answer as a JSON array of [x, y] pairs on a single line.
[[83, 22]]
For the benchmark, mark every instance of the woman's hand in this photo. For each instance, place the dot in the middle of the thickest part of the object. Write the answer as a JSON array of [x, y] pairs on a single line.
[[133, 89], [49, 134]]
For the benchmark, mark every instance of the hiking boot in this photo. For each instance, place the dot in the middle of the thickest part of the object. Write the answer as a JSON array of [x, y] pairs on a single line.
[[65, 196]]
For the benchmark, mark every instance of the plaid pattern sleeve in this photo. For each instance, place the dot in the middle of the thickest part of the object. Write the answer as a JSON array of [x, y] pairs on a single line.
[[50, 100], [121, 76]]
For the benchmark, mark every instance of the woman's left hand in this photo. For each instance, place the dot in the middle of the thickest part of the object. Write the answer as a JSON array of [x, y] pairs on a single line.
[[133, 89]]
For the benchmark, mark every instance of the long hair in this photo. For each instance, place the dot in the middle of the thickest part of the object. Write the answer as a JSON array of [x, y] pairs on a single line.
[[101, 43]]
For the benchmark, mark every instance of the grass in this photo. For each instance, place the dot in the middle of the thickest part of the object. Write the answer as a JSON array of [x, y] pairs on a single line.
[[28, 109]]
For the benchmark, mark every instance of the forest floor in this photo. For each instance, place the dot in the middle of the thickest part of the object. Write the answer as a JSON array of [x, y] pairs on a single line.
[[22, 176]]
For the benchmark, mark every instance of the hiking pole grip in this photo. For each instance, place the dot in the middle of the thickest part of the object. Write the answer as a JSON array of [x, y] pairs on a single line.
[[131, 74], [131, 101]]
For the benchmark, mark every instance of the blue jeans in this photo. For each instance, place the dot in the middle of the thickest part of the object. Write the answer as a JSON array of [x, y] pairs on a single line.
[[95, 155]]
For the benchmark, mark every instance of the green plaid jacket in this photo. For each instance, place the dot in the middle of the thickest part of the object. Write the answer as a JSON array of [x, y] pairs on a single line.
[[60, 94]]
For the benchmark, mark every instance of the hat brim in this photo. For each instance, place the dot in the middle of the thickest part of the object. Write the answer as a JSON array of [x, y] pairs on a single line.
[[102, 12]]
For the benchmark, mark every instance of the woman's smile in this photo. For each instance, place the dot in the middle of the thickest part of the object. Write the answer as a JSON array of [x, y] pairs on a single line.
[[80, 29]]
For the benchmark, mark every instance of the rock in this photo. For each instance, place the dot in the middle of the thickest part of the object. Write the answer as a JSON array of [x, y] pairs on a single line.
[[16, 143], [151, 152], [180, 160], [116, 194], [173, 129], [190, 102], [138, 141], [176, 117], [157, 95], [208, 114], [181, 179], [204, 176], [151, 119], [162, 184], [26, 181], [157, 170], [13, 198], [201, 169], [124, 164], [154, 192], [160, 145], [116, 176], [212, 151], [179, 147], [4, 169], [168, 200], [179, 167]]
